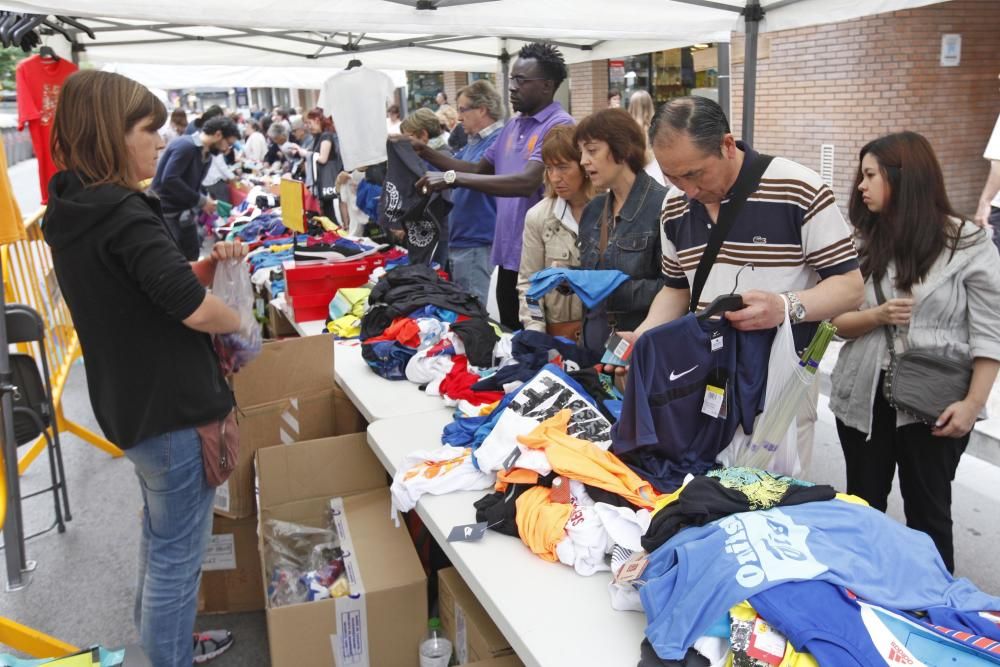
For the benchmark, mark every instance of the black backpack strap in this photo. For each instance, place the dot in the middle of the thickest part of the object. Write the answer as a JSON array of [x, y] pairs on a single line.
[[728, 212]]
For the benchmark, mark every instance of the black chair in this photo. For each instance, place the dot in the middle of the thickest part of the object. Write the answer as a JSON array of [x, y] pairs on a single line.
[[34, 409]]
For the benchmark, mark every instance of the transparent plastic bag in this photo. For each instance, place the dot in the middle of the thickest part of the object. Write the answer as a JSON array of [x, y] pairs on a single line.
[[232, 285], [304, 563]]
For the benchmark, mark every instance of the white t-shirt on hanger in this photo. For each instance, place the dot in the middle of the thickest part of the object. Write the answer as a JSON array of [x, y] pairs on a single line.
[[357, 100]]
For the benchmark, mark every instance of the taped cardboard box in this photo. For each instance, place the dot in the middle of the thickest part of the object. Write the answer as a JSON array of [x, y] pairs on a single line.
[[386, 625], [230, 573], [285, 395], [474, 636]]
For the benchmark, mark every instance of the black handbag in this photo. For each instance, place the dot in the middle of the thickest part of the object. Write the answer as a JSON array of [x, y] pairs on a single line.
[[921, 383], [324, 178]]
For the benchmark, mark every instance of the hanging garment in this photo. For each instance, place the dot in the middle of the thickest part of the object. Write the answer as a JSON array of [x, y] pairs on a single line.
[[669, 426], [39, 81], [423, 217], [356, 99]]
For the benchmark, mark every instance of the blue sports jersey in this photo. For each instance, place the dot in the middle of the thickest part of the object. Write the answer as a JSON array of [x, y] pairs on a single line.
[[702, 572], [662, 432]]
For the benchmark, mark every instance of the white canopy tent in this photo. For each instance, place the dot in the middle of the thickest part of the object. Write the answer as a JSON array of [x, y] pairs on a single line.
[[448, 35], [208, 76]]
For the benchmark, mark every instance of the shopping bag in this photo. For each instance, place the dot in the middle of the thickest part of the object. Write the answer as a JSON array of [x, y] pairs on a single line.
[[773, 446], [232, 285]]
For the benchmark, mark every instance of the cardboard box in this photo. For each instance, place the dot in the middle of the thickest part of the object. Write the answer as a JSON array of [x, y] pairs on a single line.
[[465, 622], [278, 325], [390, 619], [285, 395], [506, 661], [230, 573]]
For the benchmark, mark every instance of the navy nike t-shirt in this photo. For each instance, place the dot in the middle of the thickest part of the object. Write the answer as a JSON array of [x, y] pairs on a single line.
[[662, 433]]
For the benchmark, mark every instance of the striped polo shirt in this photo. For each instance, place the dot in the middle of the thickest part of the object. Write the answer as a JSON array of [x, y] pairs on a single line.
[[790, 229]]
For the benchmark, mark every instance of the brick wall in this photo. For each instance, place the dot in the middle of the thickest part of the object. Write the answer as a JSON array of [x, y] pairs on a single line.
[[850, 82], [454, 82], [588, 88]]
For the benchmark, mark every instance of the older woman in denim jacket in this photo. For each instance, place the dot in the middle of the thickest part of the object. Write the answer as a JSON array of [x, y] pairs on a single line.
[[941, 278], [620, 229]]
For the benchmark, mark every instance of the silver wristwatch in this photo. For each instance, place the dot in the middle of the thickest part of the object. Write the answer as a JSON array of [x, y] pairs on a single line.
[[450, 176], [796, 311]]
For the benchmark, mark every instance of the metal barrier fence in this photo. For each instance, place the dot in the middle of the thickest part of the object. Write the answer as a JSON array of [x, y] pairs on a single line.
[[29, 278], [17, 145]]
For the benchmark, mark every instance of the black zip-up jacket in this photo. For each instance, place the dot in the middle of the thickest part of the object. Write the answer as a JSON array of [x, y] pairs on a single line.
[[128, 289]]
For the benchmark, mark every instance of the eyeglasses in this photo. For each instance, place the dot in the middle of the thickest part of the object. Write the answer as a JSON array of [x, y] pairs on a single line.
[[520, 80], [466, 109]]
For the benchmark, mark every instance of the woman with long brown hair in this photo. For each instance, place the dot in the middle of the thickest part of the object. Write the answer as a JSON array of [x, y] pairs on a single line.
[[143, 316], [940, 276]]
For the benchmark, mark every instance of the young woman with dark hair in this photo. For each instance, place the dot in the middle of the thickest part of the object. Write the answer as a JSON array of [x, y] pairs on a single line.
[[941, 278]]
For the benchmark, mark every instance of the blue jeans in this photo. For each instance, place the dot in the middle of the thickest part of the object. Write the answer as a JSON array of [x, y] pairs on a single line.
[[471, 269], [176, 524]]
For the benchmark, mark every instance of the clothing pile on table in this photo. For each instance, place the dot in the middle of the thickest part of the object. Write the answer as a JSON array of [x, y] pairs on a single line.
[[731, 566], [257, 221]]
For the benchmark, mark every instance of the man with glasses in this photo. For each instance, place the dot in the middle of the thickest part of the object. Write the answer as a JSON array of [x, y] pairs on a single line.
[[511, 169], [473, 214], [179, 175]]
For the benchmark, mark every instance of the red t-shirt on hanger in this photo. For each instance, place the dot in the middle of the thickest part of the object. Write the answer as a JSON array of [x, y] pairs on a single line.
[[39, 81]]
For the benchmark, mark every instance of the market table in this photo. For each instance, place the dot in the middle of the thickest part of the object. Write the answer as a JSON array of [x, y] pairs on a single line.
[[376, 397], [551, 616]]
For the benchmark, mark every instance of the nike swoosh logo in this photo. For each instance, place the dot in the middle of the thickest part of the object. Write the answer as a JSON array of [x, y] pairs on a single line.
[[674, 376]]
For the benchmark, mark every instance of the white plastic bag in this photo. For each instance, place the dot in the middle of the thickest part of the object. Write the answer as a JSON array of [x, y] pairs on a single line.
[[774, 443], [232, 285]]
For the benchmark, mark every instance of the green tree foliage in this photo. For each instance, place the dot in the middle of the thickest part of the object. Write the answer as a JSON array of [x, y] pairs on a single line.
[[9, 58]]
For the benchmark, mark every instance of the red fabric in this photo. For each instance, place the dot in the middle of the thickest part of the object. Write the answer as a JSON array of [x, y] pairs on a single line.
[[458, 385], [39, 82], [403, 330]]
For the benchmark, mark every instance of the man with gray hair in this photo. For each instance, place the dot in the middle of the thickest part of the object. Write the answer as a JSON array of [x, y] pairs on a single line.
[[473, 215], [789, 228], [279, 149]]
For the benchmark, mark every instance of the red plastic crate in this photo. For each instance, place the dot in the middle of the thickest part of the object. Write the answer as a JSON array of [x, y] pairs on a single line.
[[312, 285], [321, 278]]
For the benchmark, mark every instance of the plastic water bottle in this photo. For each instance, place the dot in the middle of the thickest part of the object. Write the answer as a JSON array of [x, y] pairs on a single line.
[[435, 651]]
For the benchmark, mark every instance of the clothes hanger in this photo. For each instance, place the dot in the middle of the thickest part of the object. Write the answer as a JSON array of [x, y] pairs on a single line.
[[7, 23], [354, 63], [26, 25], [76, 24], [47, 53], [55, 27], [726, 302]]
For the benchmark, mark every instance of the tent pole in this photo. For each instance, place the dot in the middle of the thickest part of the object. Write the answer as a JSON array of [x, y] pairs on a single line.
[[505, 79], [725, 92], [752, 14], [13, 526]]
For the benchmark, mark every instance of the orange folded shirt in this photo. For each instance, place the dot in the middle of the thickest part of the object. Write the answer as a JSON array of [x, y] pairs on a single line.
[[586, 462], [541, 523]]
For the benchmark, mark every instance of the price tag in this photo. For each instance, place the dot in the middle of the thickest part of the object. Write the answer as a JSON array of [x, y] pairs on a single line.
[[632, 568], [560, 491], [766, 643], [714, 399], [535, 310], [468, 533]]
